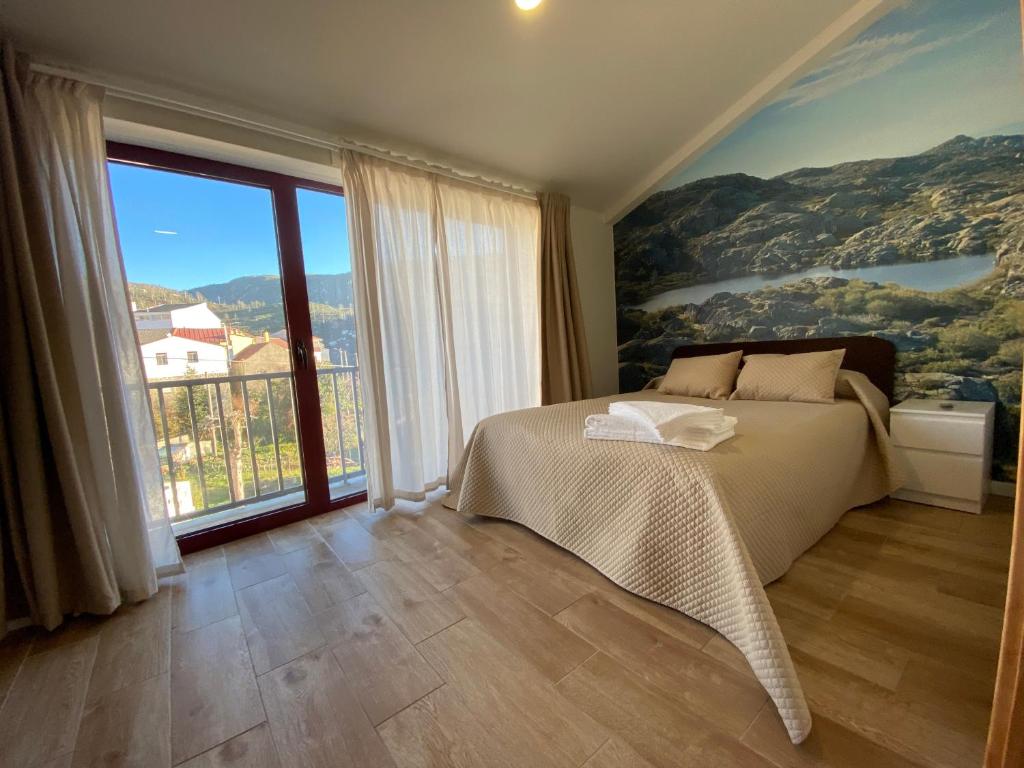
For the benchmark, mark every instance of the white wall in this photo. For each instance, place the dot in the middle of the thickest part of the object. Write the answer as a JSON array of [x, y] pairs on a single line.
[[196, 316], [595, 272], [213, 359]]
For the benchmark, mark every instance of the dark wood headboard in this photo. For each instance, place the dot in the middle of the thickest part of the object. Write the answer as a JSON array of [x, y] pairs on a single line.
[[874, 357]]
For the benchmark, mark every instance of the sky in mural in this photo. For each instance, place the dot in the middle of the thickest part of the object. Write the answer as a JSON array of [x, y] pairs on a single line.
[[927, 71]]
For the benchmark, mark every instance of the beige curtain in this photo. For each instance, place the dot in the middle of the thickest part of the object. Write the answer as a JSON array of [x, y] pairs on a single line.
[[565, 366], [84, 514], [1006, 730], [445, 280]]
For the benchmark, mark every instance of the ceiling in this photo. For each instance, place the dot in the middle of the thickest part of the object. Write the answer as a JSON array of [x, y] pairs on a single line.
[[595, 98]]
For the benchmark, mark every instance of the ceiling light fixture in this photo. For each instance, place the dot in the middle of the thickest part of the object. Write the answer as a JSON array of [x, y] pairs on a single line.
[[527, 5]]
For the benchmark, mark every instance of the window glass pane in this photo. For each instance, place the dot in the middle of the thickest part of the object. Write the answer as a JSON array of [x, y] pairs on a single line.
[[202, 260], [329, 285]]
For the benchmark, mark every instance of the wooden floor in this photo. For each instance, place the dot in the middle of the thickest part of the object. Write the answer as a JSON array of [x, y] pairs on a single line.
[[420, 638]]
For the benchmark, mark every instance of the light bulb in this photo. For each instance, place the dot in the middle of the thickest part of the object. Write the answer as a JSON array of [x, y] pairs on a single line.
[[528, 5]]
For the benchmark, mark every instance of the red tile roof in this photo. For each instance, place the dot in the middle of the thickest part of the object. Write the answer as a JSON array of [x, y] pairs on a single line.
[[208, 335]]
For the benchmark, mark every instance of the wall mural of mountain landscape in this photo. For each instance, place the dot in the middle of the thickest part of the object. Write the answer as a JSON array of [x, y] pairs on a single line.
[[883, 194]]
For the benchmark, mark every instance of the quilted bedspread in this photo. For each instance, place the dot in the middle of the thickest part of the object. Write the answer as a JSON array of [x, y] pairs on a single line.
[[699, 532]]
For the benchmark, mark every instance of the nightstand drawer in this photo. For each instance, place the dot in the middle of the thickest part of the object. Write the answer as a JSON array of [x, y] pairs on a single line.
[[945, 474], [939, 433]]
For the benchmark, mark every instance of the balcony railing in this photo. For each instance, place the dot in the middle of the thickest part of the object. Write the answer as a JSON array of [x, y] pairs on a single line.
[[229, 442]]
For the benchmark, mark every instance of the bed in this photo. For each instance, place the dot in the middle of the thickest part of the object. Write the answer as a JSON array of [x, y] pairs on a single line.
[[701, 532]]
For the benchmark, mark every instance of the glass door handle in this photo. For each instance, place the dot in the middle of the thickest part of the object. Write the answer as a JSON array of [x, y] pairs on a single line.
[[301, 357]]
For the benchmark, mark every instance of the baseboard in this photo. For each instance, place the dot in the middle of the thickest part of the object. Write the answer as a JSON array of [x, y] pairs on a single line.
[[1002, 488]]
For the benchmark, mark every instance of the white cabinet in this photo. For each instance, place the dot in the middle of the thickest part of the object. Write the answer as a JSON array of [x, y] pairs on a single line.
[[945, 448]]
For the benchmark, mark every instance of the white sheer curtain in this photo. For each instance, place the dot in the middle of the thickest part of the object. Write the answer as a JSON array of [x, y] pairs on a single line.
[[116, 463], [491, 252], [445, 277]]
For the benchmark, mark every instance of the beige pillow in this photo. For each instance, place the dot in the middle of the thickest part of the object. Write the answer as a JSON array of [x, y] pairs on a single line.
[[711, 376], [807, 377]]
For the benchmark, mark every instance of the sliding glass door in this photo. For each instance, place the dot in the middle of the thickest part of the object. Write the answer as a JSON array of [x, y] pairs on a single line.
[[241, 294], [329, 288]]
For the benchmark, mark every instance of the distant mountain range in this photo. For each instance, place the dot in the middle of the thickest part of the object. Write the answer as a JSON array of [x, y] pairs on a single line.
[[964, 196], [254, 302], [333, 290]]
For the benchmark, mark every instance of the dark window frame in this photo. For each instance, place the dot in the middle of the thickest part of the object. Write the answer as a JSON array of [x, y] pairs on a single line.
[[284, 194]]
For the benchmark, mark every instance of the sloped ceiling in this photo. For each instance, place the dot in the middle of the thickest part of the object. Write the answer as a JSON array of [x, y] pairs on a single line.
[[599, 99]]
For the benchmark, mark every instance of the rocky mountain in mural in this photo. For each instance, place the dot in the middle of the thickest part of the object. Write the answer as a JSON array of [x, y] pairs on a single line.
[[965, 196]]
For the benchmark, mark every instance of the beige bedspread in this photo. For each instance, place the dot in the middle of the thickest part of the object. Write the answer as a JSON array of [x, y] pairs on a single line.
[[700, 532]]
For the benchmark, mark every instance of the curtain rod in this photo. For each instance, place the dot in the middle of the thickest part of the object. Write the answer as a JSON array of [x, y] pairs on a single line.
[[332, 143]]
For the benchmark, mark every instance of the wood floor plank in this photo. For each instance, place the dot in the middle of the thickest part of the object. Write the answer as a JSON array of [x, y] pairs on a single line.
[[668, 620], [315, 717], [356, 546], [509, 690], [321, 577], [476, 547], [253, 560], [252, 749], [327, 519], [73, 630], [616, 754], [977, 589], [830, 744], [533, 547], [277, 622], [386, 672], [288, 538], [417, 608], [658, 727], [134, 645], [548, 589], [549, 646], [948, 696], [860, 653], [932, 518], [204, 593], [130, 725], [14, 648], [709, 689], [384, 524], [914, 623], [39, 720], [439, 731], [813, 589], [441, 566], [213, 689], [880, 716]]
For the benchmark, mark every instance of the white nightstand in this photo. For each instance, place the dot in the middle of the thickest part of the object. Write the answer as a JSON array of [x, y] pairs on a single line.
[[946, 452]]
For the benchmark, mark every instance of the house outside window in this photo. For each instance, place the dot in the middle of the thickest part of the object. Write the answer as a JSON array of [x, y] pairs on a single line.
[[161, 358], [192, 356]]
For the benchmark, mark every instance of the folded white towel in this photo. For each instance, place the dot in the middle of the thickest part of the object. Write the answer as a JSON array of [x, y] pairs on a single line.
[[611, 427], [675, 423], [659, 414]]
